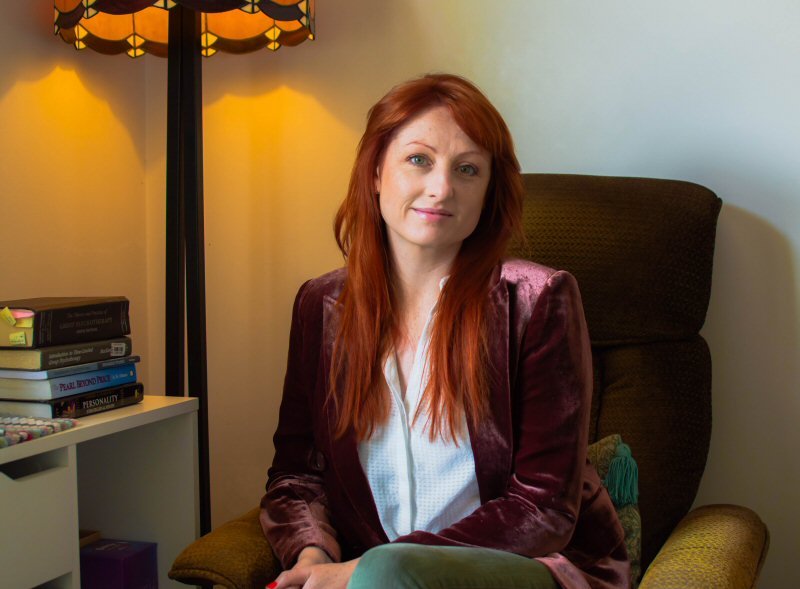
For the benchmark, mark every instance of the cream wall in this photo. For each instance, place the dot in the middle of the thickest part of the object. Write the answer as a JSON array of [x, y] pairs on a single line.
[[72, 140], [704, 92]]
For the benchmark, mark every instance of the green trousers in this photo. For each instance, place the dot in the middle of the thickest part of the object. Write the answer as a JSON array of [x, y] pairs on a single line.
[[413, 566]]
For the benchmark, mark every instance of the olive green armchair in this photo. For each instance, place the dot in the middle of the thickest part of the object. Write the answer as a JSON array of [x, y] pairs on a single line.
[[642, 252]]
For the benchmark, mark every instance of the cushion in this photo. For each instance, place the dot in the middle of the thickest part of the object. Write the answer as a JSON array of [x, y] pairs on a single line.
[[601, 454], [235, 555]]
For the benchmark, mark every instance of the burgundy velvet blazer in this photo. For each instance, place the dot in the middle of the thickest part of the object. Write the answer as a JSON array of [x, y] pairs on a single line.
[[539, 495]]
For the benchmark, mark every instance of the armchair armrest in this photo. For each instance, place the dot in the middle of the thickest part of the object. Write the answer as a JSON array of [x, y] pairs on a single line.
[[235, 555], [713, 547]]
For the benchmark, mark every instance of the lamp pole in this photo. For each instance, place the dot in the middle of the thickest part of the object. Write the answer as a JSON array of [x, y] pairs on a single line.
[[185, 253], [185, 298]]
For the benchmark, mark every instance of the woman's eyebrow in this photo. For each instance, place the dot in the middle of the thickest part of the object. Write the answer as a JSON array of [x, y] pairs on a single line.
[[421, 143], [433, 149]]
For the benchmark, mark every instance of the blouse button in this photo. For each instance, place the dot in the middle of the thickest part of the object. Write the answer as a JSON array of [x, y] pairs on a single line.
[[318, 461]]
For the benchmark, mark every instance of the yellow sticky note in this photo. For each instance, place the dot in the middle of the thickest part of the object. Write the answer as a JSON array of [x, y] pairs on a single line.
[[8, 317], [26, 322], [17, 338]]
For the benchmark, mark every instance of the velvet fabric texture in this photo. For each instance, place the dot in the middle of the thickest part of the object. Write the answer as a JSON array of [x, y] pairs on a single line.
[[540, 497]]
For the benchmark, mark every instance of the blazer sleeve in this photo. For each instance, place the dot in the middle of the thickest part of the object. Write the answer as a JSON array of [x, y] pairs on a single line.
[[294, 510], [550, 400]]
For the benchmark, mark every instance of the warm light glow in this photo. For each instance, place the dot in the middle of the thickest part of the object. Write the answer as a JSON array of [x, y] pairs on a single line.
[[287, 187], [237, 26], [53, 98], [74, 193]]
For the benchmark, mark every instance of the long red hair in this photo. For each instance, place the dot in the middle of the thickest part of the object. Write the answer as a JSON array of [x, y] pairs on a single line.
[[459, 373]]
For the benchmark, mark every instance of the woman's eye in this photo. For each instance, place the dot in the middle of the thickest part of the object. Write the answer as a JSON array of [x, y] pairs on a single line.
[[418, 160], [467, 169]]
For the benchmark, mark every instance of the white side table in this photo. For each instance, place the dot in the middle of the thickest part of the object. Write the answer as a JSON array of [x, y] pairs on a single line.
[[130, 473]]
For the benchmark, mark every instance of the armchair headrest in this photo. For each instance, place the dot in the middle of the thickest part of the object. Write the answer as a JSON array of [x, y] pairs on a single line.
[[641, 249]]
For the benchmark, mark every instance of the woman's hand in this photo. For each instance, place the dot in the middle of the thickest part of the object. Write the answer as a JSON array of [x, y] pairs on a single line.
[[314, 570]]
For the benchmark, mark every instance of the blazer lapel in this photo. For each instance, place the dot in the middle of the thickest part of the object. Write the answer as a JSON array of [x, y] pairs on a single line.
[[492, 440]]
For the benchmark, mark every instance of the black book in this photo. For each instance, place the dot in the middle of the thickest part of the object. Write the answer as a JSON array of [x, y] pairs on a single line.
[[52, 321], [77, 405]]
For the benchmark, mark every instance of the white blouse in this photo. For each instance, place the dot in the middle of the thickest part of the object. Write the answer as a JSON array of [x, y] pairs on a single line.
[[417, 484]]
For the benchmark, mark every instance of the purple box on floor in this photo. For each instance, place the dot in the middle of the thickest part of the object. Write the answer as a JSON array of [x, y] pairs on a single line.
[[119, 564]]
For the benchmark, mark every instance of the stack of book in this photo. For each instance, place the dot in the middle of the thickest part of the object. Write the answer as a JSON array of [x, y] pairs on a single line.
[[66, 357]]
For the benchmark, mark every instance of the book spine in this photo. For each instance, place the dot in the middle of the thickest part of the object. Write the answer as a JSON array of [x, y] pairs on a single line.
[[81, 324], [97, 401], [68, 370], [77, 405], [85, 382], [85, 353]]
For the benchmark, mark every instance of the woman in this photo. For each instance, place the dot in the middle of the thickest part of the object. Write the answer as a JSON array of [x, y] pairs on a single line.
[[433, 428]]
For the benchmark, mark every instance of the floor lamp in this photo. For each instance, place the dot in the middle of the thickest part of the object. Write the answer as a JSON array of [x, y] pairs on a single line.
[[182, 31]]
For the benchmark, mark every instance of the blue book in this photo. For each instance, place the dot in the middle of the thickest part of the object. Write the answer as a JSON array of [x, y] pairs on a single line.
[[67, 370], [72, 384]]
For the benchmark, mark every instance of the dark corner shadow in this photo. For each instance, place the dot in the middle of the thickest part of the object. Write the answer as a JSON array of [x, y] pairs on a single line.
[[355, 42], [753, 257], [752, 330]]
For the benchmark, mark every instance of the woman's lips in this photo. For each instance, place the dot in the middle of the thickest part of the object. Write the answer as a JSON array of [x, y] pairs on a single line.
[[433, 214]]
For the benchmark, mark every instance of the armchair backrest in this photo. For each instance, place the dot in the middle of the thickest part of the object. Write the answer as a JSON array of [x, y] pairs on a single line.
[[642, 252]]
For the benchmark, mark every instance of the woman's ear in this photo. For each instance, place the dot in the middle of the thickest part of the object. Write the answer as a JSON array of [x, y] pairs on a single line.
[[378, 180]]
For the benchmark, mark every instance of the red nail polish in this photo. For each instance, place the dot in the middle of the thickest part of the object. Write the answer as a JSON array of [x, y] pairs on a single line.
[[272, 585]]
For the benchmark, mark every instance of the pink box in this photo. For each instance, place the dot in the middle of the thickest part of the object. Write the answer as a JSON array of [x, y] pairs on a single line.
[[119, 564]]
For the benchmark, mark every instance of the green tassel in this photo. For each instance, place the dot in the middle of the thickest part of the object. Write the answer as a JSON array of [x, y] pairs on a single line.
[[622, 480]]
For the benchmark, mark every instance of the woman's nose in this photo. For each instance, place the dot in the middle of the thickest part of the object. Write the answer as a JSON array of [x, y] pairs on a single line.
[[440, 183]]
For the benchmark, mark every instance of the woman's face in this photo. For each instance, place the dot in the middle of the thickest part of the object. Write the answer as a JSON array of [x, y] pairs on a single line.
[[432, 184]]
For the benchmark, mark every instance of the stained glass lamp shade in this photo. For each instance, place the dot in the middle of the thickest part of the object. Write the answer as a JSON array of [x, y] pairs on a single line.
[[139, 27]]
